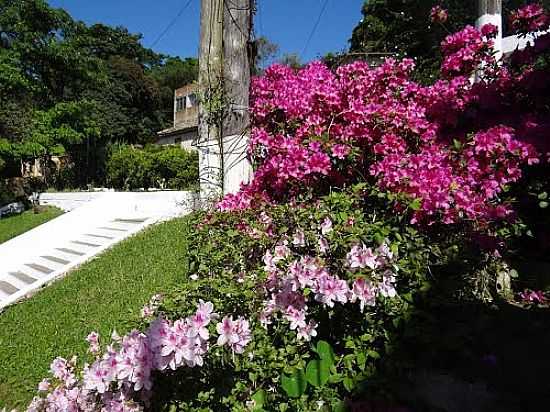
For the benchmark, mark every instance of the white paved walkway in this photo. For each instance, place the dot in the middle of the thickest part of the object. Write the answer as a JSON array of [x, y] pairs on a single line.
[[49, 251]]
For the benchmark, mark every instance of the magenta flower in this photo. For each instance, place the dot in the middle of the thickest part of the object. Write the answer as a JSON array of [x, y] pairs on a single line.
[[340, 151], [530, 18], [532, 296]]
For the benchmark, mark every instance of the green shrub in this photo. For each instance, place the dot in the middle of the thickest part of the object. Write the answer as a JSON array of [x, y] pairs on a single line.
[[175, 168], [129, 168], [278, 371]]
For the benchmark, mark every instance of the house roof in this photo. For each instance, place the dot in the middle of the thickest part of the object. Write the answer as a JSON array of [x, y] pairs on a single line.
[[177, 129]]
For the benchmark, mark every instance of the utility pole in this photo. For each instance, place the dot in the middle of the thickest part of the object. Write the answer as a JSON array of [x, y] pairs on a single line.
[[224, 87], [490, 11]]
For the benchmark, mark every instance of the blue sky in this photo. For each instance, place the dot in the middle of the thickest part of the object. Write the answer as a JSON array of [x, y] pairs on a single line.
[[285, 22]]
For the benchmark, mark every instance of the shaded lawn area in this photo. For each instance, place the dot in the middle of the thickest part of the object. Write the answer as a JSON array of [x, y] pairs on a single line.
[[104, 294], [13, 226]]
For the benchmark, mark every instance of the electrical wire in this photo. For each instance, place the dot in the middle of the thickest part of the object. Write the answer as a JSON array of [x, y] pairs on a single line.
[[314, 29], [171, 24]]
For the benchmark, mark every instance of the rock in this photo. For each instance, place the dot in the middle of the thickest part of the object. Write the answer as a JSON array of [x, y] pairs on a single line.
[[10, 209]]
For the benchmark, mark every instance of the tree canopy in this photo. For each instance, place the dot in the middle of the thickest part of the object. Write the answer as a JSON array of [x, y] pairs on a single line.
[[66, 87]]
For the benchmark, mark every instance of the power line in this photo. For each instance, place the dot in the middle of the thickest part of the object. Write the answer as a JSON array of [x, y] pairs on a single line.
[[171, 24], [315, 27]]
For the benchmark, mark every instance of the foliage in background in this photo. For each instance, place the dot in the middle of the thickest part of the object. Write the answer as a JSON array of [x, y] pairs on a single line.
[[130, 168], [69, 88]]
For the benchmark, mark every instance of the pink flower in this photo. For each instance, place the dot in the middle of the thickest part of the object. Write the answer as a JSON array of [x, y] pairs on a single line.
[[331, 289], [361, 257], [299, 238], [234, 333], [387, 286], [296, 317], [323, 245], [201, 319], [365, 292], [64, 371], [44, 385], [93, 340], [326, 226], [308, 331]]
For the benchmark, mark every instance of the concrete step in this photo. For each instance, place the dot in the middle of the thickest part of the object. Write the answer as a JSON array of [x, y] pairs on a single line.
[[56, 259], [70, 251], [86, 244], [39, 269], [7, 288], [49, 251]]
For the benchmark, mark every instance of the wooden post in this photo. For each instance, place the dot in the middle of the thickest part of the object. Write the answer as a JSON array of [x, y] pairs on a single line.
[[224, 83]]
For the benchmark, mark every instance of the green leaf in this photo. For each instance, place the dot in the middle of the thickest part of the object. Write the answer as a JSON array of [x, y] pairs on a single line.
[[324, 350], [361, 360], [348, 384], [339, 406], [318, 372], [294, 384], [415, 204], [543, 196], [543, 204], [259, 399]]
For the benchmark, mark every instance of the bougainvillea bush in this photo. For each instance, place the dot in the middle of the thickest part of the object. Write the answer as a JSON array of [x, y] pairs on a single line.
[[370, 191]]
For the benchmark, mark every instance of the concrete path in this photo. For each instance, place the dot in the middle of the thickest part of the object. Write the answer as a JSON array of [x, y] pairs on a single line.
[[39, 256]]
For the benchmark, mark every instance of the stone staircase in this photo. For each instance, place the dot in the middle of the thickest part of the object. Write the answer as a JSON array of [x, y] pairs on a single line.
[[48, 252]]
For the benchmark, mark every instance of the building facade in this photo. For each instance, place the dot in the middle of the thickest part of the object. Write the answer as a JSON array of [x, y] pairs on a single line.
[[184, 131]]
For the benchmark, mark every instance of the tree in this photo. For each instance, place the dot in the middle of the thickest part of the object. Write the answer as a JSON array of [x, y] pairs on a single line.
[[291, 60], [265, 52], [50, 62], [403, 28], [172, 74]]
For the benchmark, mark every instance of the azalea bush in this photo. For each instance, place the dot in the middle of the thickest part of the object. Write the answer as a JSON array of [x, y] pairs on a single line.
[[307, 297], [454, 148]]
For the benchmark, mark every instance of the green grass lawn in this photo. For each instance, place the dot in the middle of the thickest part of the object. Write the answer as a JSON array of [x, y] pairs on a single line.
[[13, 226], [104, 294]]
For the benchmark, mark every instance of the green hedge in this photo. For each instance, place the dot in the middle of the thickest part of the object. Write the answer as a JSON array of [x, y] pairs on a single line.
[[129, 168]]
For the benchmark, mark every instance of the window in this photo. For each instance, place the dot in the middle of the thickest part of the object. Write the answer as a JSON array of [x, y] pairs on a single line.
[[180, 103], [192, 98]]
